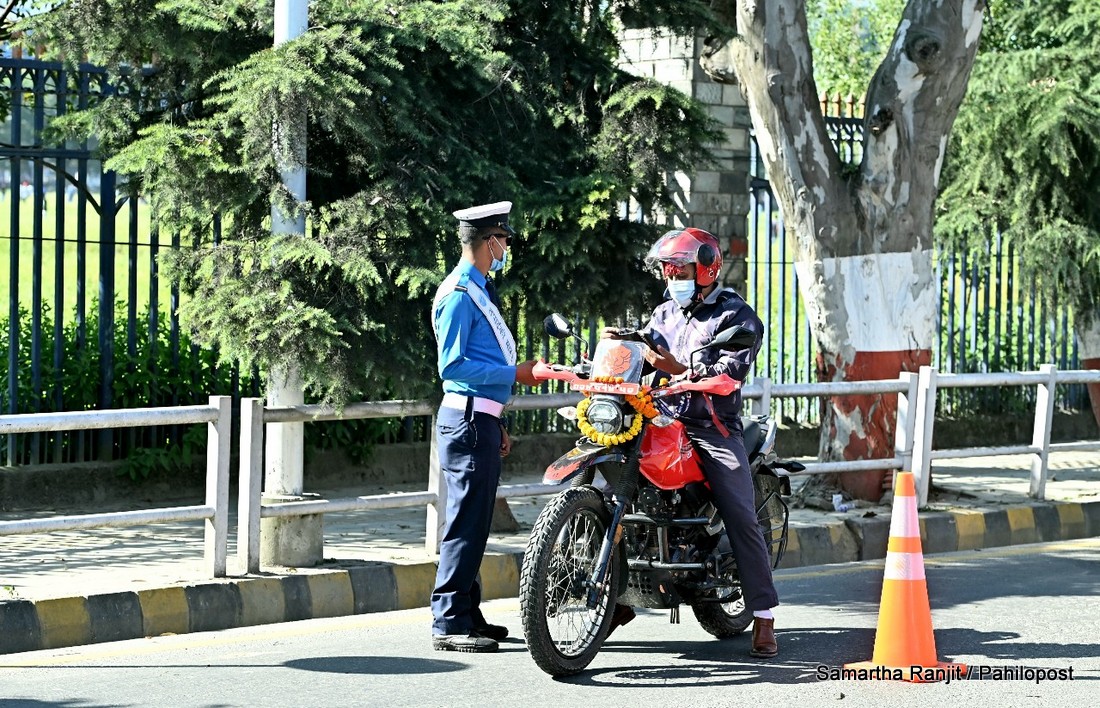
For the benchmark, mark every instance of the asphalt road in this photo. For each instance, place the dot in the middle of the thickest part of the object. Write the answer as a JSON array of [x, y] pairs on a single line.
[[1025, 607]]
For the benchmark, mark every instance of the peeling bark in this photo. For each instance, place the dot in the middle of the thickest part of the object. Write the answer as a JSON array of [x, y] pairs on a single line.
[[856, 235], [1088, 341]]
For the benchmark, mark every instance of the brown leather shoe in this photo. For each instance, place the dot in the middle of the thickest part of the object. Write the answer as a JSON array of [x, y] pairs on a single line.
[[623, 614], [763, 638]]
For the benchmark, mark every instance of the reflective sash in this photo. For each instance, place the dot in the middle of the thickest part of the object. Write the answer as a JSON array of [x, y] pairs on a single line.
[[492, 314]]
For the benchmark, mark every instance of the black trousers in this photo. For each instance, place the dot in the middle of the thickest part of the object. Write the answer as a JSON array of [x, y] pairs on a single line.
[[726, 467], [469, 455]]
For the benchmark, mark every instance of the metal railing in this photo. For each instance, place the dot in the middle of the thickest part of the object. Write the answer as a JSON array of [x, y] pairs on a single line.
[[912, 451], [917, 397], [912, 442], [215, 512], [254, 415]]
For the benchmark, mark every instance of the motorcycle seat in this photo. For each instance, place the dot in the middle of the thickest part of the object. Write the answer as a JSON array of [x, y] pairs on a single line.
[[753, 434]]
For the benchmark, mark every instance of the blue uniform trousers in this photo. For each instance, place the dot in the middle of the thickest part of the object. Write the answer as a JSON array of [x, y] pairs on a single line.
[[469, 455], [726, 466]]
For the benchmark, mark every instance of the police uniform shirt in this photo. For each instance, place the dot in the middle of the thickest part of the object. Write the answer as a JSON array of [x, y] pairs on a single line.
[[471, 362]]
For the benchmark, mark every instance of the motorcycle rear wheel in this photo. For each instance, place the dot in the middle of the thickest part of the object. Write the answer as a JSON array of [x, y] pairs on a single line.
[[563, 634], [723, 619]]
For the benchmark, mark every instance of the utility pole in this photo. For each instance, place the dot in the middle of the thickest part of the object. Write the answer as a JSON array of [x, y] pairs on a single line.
[[290, 541]]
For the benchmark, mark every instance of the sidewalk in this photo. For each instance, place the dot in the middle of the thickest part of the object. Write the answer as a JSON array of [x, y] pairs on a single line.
[[79, 587]]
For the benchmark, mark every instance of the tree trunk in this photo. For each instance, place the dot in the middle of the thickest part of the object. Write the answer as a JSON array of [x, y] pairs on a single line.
[[1088, 339], [862, 234]]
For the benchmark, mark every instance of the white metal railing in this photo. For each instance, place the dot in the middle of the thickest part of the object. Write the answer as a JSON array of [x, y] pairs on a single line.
[[912, 442], [254, 415], [215, 512], [912, 451], [916, 418]]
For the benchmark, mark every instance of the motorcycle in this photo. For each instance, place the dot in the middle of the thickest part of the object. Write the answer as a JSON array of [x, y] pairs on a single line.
[[649, 535]]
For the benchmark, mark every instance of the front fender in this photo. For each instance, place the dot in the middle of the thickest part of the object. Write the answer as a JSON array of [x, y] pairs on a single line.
[[578, 460]]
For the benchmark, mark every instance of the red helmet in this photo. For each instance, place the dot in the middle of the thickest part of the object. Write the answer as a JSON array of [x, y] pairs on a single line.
[[677, 248]]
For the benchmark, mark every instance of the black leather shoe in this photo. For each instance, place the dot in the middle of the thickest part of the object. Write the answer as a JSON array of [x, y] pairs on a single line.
[[492, 631], [472, 642], [623, 614]]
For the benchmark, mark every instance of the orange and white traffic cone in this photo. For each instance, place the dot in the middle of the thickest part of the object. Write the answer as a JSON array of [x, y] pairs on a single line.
[[905, 647]]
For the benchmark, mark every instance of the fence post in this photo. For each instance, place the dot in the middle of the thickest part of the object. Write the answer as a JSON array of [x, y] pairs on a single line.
[[906, 423], [217, 486], [1040, 438], [251, 484], [924, 419], [437, 510], [763, 405]]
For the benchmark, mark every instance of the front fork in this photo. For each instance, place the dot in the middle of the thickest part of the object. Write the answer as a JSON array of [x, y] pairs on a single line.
[[622, 495]]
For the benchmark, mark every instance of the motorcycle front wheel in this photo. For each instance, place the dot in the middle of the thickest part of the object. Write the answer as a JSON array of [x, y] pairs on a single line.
[[563, 633]]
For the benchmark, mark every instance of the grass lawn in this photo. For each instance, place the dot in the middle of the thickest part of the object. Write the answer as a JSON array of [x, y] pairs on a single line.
[[71, 252]]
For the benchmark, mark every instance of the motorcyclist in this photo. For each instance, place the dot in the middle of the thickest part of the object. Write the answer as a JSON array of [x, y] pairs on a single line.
[[690, 261]]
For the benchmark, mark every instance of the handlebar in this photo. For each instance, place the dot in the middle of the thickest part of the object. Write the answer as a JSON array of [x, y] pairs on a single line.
[[720, 385], [543, 371]]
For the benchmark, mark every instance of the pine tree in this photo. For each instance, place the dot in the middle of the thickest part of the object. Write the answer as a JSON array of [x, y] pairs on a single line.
[[1025, 153], [414, 109]]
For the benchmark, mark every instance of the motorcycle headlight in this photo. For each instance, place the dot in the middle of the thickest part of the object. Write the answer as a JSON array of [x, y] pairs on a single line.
[[605, 416]]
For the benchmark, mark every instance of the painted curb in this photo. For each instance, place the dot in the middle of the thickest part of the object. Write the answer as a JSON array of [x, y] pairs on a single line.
[[27, 625]]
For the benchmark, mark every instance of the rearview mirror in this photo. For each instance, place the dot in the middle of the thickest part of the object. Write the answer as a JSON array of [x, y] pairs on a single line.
[[557, 326], [734, 339]]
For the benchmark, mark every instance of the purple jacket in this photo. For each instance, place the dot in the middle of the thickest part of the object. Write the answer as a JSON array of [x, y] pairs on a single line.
[[682, 334]]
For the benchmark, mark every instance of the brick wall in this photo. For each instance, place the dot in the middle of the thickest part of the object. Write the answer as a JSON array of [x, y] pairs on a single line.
[[715, 198]]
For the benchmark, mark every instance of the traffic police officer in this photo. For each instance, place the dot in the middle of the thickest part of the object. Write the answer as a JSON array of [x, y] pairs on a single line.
[[477, 362]]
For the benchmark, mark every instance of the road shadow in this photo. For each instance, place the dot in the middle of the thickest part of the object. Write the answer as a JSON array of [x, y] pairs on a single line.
[[375, 665], [806, 656]]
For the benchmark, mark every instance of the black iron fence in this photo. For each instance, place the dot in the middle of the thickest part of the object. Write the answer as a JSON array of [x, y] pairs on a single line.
[[990, 317], [91, 324]]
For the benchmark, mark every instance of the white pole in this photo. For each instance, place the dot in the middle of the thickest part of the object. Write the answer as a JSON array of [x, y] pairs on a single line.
[[1040, 438], [249, 496], [925, 415], [285, 447], [216, 531]]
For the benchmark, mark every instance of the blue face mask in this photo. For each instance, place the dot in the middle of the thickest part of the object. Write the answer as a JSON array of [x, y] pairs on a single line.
[[682, 291], [498, 263]]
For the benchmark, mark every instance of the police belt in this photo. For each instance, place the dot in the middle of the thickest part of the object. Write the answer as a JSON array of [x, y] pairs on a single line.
[[472, 404]]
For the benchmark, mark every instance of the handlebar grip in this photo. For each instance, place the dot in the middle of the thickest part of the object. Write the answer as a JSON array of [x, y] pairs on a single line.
[[543, 371]]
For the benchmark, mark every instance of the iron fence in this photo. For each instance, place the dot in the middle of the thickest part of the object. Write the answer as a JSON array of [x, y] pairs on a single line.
[[92, 324], [990, 318]]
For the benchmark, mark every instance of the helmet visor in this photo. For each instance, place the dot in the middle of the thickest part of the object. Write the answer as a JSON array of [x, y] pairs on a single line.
[[671, 255]]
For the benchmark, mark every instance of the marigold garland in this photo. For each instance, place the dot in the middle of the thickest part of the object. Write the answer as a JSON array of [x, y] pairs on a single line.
[[641, 402]]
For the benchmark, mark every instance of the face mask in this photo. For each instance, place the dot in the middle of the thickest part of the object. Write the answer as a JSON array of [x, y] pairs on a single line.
[[498, 263], [682, 291]]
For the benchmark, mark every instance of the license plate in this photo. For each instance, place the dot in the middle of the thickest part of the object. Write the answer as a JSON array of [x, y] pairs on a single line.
[[624, 389]]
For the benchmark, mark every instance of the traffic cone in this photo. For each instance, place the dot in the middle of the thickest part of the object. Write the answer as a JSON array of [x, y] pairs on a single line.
[[905, 647]]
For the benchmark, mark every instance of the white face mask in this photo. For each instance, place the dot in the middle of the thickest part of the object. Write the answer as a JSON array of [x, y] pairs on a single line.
[[682, 291]]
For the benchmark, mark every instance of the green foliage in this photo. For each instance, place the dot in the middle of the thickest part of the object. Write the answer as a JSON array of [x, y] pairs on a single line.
[[850, 40], [1025, 152], [412, 110], [150, 376]]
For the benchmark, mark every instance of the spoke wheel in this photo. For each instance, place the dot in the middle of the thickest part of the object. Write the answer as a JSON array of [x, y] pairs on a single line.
[[726, 618], [563, 633]]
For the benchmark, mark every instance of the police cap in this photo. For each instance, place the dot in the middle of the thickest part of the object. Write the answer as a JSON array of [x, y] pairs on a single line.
[[486, 215]]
